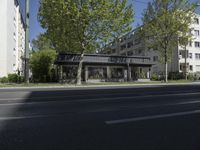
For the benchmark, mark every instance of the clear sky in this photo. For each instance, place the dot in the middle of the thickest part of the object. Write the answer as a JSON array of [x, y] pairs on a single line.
[[35, 28]]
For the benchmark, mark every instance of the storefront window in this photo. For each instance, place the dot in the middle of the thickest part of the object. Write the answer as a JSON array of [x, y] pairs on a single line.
[[117, 73], [96, 73]]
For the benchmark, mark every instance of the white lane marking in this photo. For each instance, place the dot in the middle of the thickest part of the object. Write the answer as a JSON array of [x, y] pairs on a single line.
[[23, 117], [126, 97], [128, 120], [147, 106], [106, 110], [192, 101]]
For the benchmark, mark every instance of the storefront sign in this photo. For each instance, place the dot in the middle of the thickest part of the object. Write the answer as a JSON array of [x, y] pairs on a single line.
[[117, 59], [69, 57]]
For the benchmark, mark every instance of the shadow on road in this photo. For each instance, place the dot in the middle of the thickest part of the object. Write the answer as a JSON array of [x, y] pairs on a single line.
[[56, 119]]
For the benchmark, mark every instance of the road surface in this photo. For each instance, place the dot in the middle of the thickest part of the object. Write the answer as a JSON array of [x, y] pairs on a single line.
[[109, 118]]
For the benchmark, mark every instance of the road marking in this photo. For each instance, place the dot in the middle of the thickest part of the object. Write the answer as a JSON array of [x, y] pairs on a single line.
[[23, 117], [147, 106], [98, 99], [33, 116], [128, 120]]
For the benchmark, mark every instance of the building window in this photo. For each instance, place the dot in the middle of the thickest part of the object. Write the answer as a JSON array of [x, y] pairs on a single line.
[[191, 68], [139, 51], [108, 52], [155, 58], [190, 43], [196, 21], [123, 54], [181, 67], [14, 67], [197, 68], [130, 44], [182, 53], [190, 55], [196, 32], [197, 44], [113, 51], [123, 47], [130, 53], [197, 56]]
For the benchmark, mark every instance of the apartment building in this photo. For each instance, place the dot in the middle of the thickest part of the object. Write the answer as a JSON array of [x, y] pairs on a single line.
[[12, 38], [133, 45]]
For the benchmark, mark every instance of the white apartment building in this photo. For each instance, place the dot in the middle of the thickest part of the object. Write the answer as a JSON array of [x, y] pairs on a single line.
[[131, 45], [193, 49], [12, 38]]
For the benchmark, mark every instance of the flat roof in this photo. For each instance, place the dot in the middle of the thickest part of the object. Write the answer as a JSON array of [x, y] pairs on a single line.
[[102, 59]]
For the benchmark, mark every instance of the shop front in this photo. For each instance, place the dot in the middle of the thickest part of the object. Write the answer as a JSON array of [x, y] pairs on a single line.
[[103, 68]]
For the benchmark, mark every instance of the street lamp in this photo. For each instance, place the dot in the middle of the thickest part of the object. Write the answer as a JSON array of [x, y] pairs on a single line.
[[26, 68]]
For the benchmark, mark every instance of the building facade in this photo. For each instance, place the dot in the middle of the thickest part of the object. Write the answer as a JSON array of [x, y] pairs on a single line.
[[101, 68], [132, 44], [12, 38]]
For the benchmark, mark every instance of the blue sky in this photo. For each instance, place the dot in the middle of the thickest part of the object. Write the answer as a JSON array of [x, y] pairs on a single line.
[[35, 28]]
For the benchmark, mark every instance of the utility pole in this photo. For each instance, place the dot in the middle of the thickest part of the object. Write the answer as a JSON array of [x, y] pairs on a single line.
[[26, 68]]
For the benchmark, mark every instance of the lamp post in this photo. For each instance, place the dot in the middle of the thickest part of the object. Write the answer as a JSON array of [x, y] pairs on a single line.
[[26, 68]]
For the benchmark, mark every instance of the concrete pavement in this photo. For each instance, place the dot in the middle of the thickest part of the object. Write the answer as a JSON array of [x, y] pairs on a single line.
[[104, 118]]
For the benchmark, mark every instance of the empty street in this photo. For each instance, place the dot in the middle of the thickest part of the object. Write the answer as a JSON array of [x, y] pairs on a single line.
[[159, 117]]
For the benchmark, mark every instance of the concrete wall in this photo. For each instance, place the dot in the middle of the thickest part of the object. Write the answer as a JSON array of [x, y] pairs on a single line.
[[3, 38], [192, 49], [11, 36]]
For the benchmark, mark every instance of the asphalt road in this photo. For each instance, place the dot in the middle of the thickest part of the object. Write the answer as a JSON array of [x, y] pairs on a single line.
[[119, 118]]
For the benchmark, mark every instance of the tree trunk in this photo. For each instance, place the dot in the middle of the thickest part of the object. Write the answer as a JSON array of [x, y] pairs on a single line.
[[166, 73], [185, 70], [79, 71], [166, 65]]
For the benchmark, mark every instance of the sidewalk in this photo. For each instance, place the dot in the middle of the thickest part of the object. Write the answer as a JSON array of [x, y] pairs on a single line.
[[132, 84]]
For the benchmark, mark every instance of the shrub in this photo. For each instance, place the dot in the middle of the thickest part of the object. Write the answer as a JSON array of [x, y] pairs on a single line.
[[20, 79], [4, 80], [194, 76], [154, 77], [175, 76], [13, 78], [41, 63]]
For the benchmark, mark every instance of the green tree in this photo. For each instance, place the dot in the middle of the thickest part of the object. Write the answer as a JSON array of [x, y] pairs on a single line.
[[83, 26], [165, 22], [42, 42], [41, 63]]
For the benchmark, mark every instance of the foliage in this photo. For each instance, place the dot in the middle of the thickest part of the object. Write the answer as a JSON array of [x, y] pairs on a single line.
[[194, 76], [4, 80], [165, 22], [175, 76], [83, 26], [154, 77], [142, 75], [41, 63], [12, 78], [42, 42]]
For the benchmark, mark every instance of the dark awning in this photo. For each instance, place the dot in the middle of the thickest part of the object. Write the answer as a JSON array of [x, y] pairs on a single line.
[[99, 59]]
